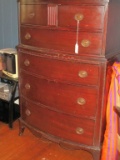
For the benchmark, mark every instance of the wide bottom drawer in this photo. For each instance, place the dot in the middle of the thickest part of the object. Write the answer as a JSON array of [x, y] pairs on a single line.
[[71, 128]]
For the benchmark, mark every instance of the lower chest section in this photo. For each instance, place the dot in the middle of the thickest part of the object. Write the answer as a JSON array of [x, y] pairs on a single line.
[[62, 98]]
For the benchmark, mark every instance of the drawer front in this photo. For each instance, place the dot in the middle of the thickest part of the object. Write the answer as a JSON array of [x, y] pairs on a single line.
[[34, 14], [70, 99], [71, 72], [89, 43], [57, 124], [91, 17]]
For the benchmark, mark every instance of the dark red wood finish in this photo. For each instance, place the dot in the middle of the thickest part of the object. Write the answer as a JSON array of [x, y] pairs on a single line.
[[58, 124], [59, 96], [62, 93], [59, 70], [57, 42], [37, 15]]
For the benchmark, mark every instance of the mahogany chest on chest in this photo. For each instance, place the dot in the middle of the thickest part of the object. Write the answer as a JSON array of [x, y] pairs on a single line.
[[64, 51]]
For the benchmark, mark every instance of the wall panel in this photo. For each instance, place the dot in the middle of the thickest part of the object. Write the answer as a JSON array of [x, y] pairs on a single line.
[[8, 24]]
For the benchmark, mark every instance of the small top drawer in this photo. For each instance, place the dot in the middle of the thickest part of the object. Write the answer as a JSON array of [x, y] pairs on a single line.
[[34, 14], [81, 73], [90, 17]]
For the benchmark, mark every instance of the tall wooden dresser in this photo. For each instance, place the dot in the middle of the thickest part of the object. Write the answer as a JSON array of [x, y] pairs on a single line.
[[64, 51]]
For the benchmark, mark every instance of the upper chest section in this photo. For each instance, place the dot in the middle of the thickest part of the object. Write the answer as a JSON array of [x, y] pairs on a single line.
[[61, 24]]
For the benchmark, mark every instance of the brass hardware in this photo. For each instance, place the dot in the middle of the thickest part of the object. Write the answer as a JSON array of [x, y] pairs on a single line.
[[79, 17], [85, 43], [27, 86], [27, 112], [79, 130], [31, 15], [81, 101], [27, 36], [26, 62], [82, 74]]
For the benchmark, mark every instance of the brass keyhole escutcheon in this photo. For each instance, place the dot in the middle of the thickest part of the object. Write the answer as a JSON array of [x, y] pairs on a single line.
[[79, 17], [26, 62], [31, 15], [27, 86], [27, 112], [79, 130], [85, 43], [82, 74], [27, 36], [81, 101]]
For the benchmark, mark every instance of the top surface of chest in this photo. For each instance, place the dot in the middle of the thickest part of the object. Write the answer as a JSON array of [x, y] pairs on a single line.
[[64, 1]]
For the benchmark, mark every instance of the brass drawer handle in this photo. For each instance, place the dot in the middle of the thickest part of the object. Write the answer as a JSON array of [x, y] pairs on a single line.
[[31, 15], [85, 43], [79, 130], [82, 74], [27, 36], [27, 112], [79, 17], [81, 101], [26, 62], [27, 86]]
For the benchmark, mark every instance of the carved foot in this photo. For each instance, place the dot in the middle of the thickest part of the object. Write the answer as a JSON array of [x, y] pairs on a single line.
[[96, 155], [21, 128]]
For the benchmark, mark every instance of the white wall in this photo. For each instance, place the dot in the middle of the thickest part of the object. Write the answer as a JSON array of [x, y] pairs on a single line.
[[8, 24]]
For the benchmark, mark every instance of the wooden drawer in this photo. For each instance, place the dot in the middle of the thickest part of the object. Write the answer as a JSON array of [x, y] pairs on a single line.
[[70, 99], [92, 17], [34, 14], [70, 72], [89, 43], [66, 127]]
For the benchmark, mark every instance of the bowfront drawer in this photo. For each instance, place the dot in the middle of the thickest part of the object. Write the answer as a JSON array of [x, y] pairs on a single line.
[[89, 43], [90, 17], [70, 99], [71, 72], [66, 127]]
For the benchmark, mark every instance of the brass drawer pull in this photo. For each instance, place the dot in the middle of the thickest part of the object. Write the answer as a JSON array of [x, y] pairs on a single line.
[[27, 86], [81, 101], [27, 112], [79, 130], [79, 17], [82, 74], [26, 62], [27, 36], [85, 43], [31, 15]]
